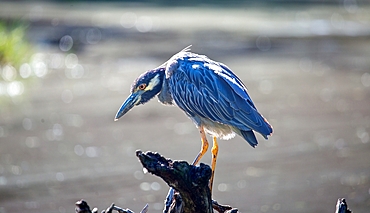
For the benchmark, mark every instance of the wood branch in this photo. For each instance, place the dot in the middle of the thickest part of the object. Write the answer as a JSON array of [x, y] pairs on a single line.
[[342, 206], [223, 208], [189, 192], [191, 182], [83, 207]]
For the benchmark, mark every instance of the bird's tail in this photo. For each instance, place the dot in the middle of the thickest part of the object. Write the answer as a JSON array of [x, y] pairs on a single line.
[[269, 129], [249, 137]]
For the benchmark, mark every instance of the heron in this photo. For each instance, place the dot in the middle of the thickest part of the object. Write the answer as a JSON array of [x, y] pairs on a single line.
[[209, 93]]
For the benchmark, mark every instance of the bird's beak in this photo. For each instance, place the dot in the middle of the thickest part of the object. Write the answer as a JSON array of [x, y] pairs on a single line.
[[127, 105]]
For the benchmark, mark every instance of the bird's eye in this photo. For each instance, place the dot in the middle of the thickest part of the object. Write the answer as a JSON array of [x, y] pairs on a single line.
[[142, 86]]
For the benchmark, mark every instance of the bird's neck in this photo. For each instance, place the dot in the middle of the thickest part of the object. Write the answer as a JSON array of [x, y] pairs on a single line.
[[164, 95]]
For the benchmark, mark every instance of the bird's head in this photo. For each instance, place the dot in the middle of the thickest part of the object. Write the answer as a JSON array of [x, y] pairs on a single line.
[[144, 88]]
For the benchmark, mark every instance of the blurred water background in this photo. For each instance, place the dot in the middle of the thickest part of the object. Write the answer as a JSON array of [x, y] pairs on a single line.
[[66, 67]]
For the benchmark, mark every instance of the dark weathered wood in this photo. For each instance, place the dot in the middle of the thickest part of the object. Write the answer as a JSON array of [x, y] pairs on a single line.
[[191, 193], [223, 208], [342, 206], [82, 207], [191, 182]]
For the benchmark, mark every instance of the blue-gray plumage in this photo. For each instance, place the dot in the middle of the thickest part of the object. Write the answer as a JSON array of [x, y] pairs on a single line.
[[207, 91], [214, 98]]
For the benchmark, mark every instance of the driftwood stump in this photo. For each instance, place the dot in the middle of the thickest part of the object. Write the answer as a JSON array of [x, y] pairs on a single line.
[[192, 193], [190, 181], [189, 193]]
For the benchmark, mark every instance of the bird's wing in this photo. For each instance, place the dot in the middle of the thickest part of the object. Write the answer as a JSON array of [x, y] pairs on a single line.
[[210, 89]]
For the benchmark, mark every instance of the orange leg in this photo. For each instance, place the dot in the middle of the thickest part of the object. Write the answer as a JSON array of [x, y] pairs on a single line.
[[214, 159], [204, 147]]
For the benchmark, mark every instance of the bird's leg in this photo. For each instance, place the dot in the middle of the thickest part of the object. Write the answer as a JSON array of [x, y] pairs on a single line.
[[204, 147], [214, 158]]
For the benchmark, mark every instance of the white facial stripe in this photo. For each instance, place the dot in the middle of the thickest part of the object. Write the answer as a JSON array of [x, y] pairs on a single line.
[[153, 83], [138, 100]]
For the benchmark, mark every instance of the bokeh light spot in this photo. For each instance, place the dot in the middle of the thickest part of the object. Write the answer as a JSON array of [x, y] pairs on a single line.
[[128, 20], [66, 43], [79, 150], [39, 68], [138, 175], [56, 61], [222, 187], [67, 96], [241, 184], [71, 60], [145, 186], [57, 130], [362, 134], [25, 70], [59, 176], [254, 172], [3, 132], [350, 5], [9, 73], [15, 88], [32, 142], [337, 21], [3, 181], [92, 151], [27, 124], [276, 206], [16, 170], [93, 36], [76, 72], [155, 186], [265, 208], [31, 204], [144, 24], [263, 43]]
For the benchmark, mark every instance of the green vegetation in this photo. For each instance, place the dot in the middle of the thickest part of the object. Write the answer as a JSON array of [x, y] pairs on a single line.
[[14, 50]]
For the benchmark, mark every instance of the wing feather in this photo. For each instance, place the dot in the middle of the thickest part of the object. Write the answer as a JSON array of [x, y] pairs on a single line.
[[213, 91]]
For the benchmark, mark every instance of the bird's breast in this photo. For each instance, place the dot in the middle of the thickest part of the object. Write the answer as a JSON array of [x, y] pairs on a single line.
[[215, 129]]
